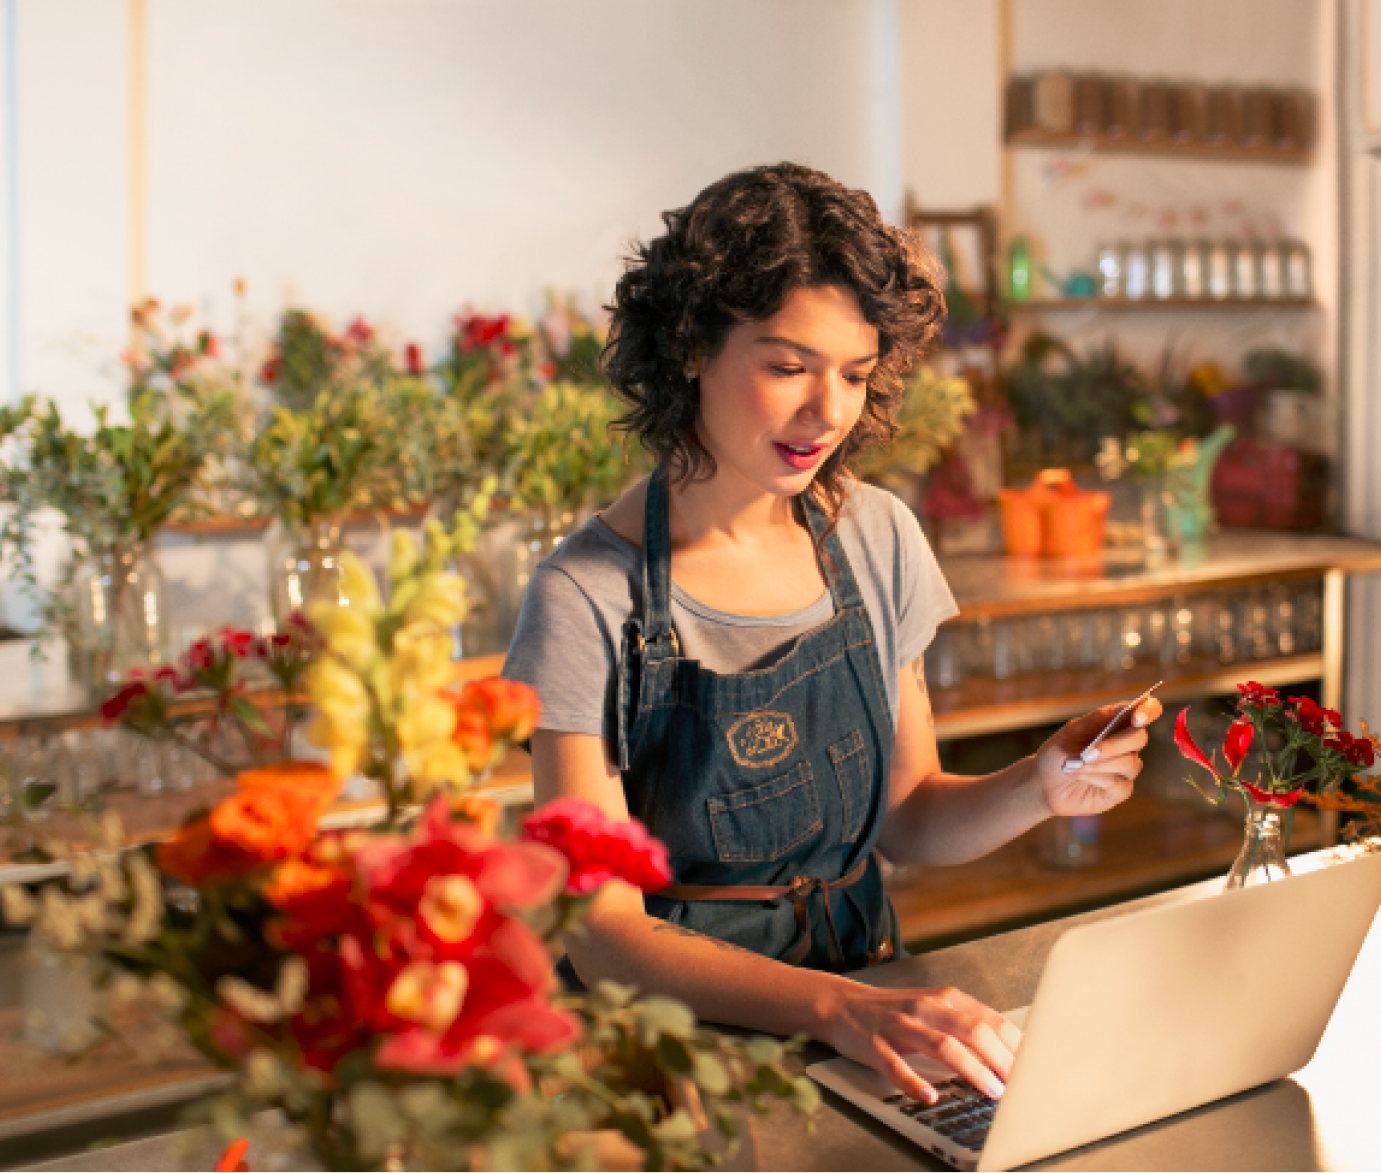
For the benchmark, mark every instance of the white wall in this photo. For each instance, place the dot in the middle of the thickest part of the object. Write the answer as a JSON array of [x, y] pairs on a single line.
[[952, 102], [1069, 201], [404, 158]]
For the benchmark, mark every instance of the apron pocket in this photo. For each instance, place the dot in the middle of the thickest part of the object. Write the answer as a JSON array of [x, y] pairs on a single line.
[[768, 821], [852, 772]]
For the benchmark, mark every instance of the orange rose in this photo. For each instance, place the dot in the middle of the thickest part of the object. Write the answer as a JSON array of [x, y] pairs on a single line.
[[195, 856], [510, 710], [304, 778], [266, 825], [471, 735]]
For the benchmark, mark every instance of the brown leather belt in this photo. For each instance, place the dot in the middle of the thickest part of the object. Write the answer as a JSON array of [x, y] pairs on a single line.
[[800, 890]]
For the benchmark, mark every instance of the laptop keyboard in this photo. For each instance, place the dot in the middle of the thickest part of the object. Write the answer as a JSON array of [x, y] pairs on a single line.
[[962, 1114]]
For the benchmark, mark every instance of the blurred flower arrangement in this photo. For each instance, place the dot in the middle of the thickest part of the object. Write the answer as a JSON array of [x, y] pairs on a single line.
[[146, 704], [933, 411], [391, 989], [117, 485]]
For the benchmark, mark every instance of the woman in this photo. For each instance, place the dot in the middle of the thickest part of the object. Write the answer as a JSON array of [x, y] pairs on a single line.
[[731, 652]]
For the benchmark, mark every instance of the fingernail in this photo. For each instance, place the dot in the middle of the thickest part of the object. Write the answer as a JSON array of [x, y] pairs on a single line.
[[1073, 765], [1139, 720], [995, 1088], [1092, 754]]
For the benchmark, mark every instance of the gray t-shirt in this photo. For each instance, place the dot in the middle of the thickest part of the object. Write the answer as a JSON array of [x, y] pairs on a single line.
[[569, 629]]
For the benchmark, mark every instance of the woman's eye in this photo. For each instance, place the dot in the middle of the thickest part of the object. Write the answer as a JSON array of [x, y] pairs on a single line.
[[857, 380], [787, 370]]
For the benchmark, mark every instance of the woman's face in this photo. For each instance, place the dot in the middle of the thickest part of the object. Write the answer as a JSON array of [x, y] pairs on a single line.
[[784, 393]]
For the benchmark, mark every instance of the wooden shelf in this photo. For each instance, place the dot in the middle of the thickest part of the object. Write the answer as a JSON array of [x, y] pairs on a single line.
[[983, 705], [1161, 304], [1035, 137], [1145, 845]]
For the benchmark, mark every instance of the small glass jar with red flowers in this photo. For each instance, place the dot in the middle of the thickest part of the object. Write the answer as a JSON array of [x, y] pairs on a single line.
[[1302, 747]]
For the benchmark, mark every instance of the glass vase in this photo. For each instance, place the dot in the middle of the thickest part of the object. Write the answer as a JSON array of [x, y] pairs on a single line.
[[1155, 535], [119, 616], [538, 536], [57, 998], [1262, 858], [304, 567]]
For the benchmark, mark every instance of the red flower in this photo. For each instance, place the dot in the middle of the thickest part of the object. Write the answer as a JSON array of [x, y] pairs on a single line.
[[268, 373], [116, 707], [1312, 718], [599, 848], [200, 655], [412, 356], [1257, 696], [1238, 741], [209, 344], [1186, 743], [238, 642], [359, 331], [1358, 750], [1270, 798]]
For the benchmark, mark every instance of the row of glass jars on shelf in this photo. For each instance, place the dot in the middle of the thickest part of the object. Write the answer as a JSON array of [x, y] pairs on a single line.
[[1227, 627], [1207, 270], [119, 617]]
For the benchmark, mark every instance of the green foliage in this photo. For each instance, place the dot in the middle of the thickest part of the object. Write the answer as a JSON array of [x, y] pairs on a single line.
[[1065, 405], [560, 456], [325, 461], [1273, 368], [931, 419], [116, 485]]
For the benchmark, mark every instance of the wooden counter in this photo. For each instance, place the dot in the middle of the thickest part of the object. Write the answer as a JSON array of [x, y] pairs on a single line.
[[990, 585]]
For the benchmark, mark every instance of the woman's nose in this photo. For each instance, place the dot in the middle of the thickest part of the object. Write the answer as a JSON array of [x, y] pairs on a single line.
[[832, 400]]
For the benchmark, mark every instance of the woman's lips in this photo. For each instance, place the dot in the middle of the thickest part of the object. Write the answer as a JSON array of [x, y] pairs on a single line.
[[800, 456]]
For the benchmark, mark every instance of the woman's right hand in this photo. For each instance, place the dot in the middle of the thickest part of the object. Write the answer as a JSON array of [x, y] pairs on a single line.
[[878, 1027]]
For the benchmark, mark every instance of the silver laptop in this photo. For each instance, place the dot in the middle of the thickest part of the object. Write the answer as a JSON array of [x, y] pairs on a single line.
[[1145, 1015]]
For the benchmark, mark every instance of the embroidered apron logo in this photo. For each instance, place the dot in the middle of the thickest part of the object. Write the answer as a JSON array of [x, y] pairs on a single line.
[[762, 739]]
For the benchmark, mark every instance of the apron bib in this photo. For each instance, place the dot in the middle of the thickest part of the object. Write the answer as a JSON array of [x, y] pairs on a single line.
[[767, 787]]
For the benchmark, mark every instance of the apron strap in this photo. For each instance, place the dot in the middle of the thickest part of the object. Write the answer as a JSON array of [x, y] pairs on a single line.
[[843, 585], [799, 891], [656, 616]]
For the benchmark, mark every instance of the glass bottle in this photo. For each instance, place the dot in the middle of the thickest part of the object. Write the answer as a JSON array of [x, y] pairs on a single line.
[[1019, 270], [1262, 858]]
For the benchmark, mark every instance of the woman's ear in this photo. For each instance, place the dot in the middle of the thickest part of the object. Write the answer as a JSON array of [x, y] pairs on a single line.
[[693, 367]]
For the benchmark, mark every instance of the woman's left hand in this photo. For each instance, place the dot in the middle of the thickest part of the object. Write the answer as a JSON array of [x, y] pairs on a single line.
[[1103, 780]]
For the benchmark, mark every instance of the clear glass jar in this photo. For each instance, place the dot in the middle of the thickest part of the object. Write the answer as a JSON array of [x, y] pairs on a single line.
[[1262, 858], [57, 998], [304, 567], [538, 536], [119, 616]]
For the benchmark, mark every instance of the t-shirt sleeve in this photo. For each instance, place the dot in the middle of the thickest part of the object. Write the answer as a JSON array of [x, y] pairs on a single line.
[[562, 647], [925, 600]]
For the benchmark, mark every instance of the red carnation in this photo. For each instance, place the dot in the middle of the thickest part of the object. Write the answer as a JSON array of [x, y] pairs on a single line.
[[412, 356], [237, 641], [599, 848], [1257, 696], [1312, 718], [1239, 740]]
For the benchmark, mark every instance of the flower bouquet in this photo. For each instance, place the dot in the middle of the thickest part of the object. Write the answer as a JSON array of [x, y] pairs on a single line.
[[1299, 743], [116, 486], [390, 987], [238, 734]]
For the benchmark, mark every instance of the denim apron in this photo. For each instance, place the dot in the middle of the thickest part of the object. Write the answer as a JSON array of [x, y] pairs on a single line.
[[768, 787]]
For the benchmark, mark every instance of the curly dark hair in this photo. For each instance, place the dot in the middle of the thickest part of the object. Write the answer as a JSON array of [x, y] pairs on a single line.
[[734, 255]]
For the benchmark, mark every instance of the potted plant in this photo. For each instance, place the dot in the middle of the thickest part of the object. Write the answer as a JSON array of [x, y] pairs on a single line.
[[115, 487]]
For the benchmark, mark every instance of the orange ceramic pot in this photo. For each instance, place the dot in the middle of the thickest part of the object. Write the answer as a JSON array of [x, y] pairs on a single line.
[[1021, 522]]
